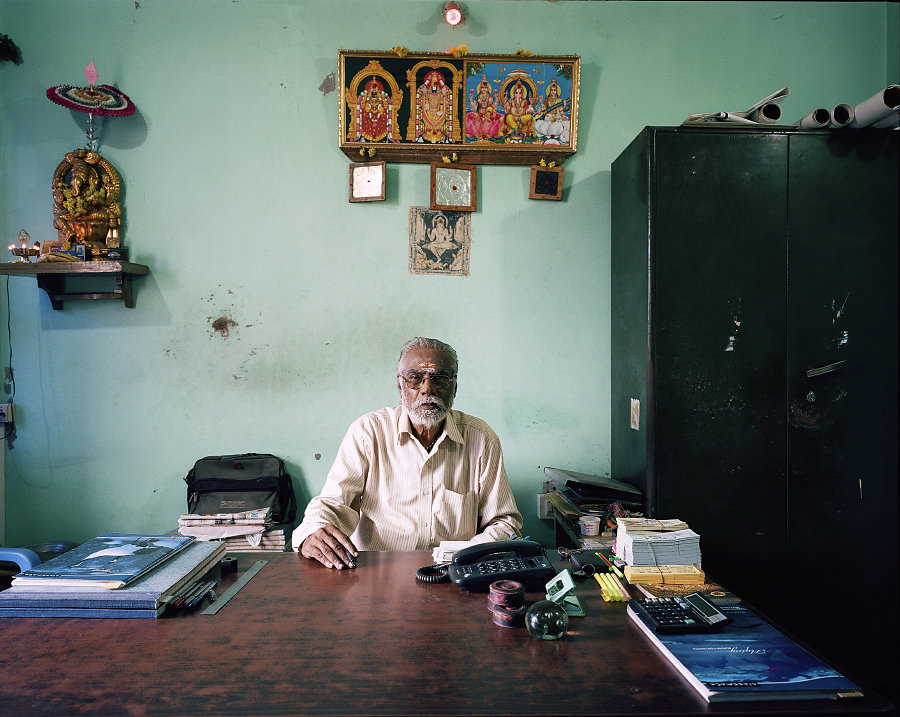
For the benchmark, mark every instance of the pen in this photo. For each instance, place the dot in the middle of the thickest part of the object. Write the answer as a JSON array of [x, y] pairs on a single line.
[[184, 600], [350, 559], [200, 594], [179, 601], [612, 567]]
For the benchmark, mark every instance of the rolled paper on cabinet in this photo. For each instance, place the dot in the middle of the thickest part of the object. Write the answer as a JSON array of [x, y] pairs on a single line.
[[889, 122], [769, 113], [878, 107], [841, 115], [818, 118]]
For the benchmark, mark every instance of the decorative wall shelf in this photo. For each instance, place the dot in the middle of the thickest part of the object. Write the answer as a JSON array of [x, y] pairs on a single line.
[[51, 277], [522, 156]]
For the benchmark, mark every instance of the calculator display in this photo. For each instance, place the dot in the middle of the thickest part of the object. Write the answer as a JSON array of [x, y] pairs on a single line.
[[704, 607]]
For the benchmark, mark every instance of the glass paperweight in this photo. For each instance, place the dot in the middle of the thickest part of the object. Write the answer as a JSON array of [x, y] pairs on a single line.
[[547, 620]]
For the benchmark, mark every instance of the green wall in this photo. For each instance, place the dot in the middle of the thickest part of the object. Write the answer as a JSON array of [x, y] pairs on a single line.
[[235, 196]]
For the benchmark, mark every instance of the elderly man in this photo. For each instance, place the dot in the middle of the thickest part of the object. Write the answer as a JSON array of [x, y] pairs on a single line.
[[409, 476]]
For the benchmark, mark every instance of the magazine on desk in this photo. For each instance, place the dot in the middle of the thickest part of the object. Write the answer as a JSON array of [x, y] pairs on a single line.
[[748, 660], [112, 560]]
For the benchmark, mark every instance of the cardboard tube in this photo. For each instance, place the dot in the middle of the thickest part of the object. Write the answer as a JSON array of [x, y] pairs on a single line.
[[889, 122], [878, 107], [818, 118], [841, 115], [769, 113]]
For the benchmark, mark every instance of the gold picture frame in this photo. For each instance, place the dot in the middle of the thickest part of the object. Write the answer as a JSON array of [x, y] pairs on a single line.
[[454, 187], [546, 183], [366, 182], [402, 106]]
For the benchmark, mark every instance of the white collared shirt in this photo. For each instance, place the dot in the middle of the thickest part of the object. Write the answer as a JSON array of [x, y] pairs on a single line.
[[388, 493]]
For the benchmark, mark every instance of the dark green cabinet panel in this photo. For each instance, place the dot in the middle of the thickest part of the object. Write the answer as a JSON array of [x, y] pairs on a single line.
[[754, 319]]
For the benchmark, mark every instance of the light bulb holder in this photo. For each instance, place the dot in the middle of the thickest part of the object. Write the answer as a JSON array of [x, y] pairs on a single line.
[[453, 12]]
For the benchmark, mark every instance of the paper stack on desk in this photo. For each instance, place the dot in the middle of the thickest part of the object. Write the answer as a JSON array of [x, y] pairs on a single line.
[[643, 526], [670, 574], [681, 547], [250, 531]]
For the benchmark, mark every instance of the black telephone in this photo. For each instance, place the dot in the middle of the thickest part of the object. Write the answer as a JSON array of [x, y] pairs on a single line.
[[476, 567]]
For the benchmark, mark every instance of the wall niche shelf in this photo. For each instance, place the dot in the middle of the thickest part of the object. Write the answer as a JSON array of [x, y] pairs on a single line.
[[51, 277]]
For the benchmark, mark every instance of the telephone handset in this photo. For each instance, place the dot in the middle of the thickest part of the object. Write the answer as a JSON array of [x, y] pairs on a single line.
[[476, 567]]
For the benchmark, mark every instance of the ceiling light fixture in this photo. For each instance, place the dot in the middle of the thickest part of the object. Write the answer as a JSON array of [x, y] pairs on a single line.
[[453, 13]]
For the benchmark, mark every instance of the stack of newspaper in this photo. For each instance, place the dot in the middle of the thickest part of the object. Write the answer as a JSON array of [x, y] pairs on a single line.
[[250, 531], [643, 541]]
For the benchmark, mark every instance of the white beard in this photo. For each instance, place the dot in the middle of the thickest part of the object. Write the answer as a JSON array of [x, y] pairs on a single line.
[[427, 411]]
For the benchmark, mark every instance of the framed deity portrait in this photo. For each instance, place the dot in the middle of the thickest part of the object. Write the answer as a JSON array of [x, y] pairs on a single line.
[[546, 183], [366, 181], [439, 241], [486, 109], [453, 187]]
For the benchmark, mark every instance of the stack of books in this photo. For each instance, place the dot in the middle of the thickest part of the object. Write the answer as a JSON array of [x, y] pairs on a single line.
[[671, 543], [250, 531], [115, 575]]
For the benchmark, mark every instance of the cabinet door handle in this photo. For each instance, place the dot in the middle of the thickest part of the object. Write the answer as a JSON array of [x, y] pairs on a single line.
[[824, 369]]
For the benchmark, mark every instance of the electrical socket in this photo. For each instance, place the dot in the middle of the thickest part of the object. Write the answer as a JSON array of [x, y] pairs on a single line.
[[6, 413], [544, 510]]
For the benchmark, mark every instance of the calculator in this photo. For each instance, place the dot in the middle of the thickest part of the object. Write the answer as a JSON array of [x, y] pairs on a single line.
[[688, 613]]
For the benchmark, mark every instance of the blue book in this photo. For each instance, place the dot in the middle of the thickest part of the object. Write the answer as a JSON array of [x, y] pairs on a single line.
[[151, 592], [748, 660], [111, 560], [76, 612]]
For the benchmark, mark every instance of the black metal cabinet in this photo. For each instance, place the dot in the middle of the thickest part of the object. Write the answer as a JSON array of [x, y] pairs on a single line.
[[754, 367]]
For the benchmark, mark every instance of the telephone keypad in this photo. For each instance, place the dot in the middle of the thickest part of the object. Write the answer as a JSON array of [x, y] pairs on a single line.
[[495, 567]]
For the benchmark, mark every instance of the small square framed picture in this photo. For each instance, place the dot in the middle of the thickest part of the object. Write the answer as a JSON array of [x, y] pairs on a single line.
[[366, 181], [546, 183], [453, 187]]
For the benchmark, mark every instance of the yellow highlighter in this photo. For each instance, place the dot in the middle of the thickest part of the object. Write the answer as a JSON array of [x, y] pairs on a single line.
[[610, 588]]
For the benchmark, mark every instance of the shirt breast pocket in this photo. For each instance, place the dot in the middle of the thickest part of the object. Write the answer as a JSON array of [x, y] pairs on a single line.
[[456, 516]]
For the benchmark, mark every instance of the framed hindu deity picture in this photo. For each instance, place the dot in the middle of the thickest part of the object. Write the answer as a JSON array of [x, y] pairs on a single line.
[[439, 241], [453, 187], [546, 183], [366, 181], [485, 109]]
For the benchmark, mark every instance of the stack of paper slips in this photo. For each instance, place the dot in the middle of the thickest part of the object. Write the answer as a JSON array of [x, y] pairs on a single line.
[[681, 547], [669, 574], [642, 526]]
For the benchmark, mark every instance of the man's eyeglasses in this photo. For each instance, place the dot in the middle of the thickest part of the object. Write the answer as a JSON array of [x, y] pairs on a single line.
[[440, 381]]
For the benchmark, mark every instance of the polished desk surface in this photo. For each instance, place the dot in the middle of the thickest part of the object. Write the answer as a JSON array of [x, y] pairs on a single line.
[[302, 639]]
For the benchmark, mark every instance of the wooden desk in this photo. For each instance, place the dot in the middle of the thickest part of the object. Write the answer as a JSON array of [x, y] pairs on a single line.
[[302, 639]]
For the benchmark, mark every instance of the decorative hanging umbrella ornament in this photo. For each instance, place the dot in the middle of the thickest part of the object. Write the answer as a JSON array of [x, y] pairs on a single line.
[[100, 100]]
